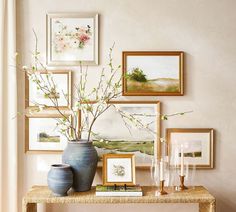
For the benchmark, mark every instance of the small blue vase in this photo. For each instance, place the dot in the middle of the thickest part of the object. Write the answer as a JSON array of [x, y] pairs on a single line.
[[60, 179], [83, 158]]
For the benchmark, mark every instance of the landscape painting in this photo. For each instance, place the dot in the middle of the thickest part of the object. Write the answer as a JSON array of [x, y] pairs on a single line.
[[113, 134], [152, 73], [197, 146], [42, 134]]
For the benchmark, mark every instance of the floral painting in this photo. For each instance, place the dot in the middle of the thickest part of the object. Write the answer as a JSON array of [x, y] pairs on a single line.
[[72, 39]]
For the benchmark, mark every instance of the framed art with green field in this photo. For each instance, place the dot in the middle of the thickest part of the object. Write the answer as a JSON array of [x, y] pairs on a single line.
[[153, 73], [197, 144], [113, 133], [43, 135]]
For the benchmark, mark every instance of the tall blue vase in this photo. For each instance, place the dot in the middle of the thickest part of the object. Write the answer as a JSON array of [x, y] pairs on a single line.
[[82, 157], [60, 179]]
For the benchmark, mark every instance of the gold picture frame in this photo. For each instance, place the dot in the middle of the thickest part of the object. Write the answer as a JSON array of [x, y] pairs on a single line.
[[201, 150], [118, 169], [60, 54], [156, 105], [139, 79], [54, 72], [29, 140]]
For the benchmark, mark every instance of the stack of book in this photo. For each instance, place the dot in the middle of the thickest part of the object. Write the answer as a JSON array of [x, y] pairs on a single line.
[[119, 191]]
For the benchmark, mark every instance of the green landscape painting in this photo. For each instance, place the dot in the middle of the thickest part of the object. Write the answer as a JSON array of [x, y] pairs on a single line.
[[111, 135], [138, 81], [152, 74], [44, 137]]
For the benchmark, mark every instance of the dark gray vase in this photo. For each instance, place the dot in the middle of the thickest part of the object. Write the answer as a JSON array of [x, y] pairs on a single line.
[[82, 157], [60, 179]]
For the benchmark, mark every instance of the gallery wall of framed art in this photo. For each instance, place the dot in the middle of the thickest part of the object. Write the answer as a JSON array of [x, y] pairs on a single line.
[[73, 40]]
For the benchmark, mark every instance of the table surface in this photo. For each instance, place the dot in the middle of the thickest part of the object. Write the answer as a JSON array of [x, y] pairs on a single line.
[[198, 194]]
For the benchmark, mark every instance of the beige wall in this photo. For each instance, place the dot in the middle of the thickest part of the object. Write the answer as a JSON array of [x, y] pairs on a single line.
[[204, 29]]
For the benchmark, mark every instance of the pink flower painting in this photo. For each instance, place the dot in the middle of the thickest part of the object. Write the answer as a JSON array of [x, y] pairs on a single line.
[[66, 39]]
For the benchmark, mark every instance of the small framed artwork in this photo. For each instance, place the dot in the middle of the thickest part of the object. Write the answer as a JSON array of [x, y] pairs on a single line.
[[72, 39], [124, 137], [42, 134], [153, 73], [119, 169], [197, 144], [61, 95]]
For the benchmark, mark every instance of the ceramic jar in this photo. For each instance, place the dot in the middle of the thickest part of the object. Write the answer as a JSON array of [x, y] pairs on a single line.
[[60, 179], [82, 157]]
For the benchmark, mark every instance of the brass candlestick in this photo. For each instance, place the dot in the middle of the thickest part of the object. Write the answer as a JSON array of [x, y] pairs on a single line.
[[162, 191], [182, 186]]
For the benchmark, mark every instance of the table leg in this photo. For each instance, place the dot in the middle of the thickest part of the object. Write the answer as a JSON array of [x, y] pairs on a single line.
[[207, 207], [29, 207]]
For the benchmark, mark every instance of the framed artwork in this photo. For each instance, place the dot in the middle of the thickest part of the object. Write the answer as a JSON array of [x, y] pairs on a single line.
[[42, 134], [112, 136], [72, 38], [62, 80], [153, 73], [118, 169], [197, 146]]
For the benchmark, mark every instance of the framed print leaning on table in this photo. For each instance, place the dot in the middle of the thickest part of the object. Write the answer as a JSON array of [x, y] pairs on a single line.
[[111, 135], [197, 144], [118, 169], [153, 73], [72, 38]]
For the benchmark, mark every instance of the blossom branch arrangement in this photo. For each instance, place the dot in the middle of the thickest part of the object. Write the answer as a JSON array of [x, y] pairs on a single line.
[[92, 105]]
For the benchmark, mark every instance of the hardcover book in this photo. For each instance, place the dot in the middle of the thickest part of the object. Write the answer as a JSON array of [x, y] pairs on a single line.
[[119, 191]]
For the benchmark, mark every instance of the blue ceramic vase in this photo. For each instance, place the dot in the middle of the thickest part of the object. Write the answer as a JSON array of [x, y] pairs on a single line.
[[82, 157], [60, 179]]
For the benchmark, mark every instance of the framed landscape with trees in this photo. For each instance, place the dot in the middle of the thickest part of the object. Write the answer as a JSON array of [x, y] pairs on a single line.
[[153, 73]]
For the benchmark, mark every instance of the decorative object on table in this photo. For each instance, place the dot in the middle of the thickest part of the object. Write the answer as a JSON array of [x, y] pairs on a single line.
[[142, 140], [118, 170], [119, 191], [182, 176], [197, 145], [60, 179], [160, 175], [41, 134], [182, 186], [72, 38], [83, 158], [153, 73], [34, 96]]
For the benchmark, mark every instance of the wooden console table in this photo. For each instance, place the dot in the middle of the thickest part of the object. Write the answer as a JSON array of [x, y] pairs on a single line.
[[41, 194]]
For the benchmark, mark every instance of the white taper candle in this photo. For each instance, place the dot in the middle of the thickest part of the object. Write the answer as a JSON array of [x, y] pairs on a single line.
[[182, 161], [161, 170]]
